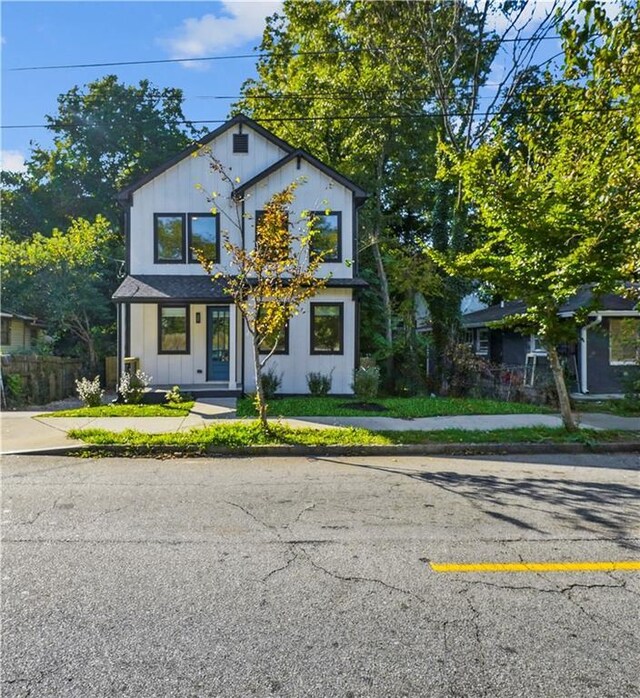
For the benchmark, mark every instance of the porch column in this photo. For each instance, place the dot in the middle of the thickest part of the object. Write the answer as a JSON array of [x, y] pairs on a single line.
[[233, 358]]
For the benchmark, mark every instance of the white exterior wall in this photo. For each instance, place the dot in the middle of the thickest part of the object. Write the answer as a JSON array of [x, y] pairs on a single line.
[[174, 369], [300, 361], [174, 191]]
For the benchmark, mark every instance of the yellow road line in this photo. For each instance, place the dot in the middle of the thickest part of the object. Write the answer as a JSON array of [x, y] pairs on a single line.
[[623, 566]]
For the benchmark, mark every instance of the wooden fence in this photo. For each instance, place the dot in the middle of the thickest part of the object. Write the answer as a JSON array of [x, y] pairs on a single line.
[[30, 379]]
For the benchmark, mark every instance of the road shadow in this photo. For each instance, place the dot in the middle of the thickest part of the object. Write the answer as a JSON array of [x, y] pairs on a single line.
[[595, 507]]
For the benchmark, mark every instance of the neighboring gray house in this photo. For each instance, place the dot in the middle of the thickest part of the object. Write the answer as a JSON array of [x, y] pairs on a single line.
[[181, 326], [603, 350]]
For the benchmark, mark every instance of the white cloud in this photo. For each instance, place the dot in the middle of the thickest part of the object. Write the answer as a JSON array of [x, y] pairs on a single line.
[[239, 22], [12, 161]]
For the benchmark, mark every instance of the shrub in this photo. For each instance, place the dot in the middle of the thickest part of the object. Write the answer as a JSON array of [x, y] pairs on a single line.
[[366, 381], [318, 383], [176, 397], [271, 381], [15, 388], [132, 386], [631, 385], [90, 392]]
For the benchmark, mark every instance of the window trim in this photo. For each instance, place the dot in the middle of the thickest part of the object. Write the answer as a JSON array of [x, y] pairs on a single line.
[[206, 214], [5, 323], [338, 257], [312, 307], [187, 308], [156, 218], [478, 350], [541, 351], [629, 362]]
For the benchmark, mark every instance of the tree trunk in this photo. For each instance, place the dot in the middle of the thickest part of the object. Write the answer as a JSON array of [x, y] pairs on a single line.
[[561, 388], [260, 402], [386, 302]]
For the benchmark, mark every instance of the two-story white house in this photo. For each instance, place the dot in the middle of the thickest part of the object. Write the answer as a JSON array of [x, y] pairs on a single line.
[[179, 322]]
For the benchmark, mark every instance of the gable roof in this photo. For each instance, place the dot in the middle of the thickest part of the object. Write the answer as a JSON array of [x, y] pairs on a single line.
[[124, 194], [314, 162]]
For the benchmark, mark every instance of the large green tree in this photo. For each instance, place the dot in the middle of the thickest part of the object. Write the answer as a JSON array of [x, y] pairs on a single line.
[[61, 279], [371, 88], [106, 134], [560, 208]]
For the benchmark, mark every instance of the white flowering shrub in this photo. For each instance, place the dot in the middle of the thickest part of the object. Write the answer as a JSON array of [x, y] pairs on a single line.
[[90, 392], [132, 386]]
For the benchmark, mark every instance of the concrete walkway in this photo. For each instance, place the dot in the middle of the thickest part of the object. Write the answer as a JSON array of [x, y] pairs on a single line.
[[29, 431]]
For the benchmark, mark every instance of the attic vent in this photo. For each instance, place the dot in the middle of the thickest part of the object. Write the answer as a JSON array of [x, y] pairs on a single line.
[[240, 142]]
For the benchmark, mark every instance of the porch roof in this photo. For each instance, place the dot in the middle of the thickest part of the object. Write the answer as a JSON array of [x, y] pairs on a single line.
[[156, 288]]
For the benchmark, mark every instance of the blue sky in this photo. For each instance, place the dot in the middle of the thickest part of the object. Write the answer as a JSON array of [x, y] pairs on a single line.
[[52, 33]]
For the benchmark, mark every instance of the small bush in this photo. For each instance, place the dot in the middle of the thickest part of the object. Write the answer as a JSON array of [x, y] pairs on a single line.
[[176, 397], [631, 385], [271, 382], [318, 383], [15, 388], [132, 386], [366, 381], [90, 392]]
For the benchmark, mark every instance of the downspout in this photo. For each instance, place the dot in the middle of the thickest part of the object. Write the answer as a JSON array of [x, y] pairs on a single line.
[[583, 353]]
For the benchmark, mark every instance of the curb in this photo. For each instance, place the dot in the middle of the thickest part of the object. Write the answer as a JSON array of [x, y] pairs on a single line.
[[433, 449]]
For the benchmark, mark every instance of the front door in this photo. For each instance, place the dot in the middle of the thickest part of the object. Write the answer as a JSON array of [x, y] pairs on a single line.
[[218, 343]]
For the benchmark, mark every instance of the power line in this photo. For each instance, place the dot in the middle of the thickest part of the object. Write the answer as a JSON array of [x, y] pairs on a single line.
[[238, 56], [361, 117]]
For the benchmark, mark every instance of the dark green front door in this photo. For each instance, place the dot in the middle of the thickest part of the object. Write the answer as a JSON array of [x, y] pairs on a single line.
[[218, 343]]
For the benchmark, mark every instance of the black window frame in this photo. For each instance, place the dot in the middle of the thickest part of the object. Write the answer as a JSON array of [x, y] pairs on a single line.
[[312, 308], [187, 308], [283, 352], [156, 218], [338, 255], [206, 214]]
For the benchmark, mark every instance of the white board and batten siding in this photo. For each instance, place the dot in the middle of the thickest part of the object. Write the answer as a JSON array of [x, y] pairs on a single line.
[[175, 191]]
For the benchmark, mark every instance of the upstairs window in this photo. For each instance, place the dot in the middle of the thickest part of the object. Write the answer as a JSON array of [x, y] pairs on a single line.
[[169, 238], [327, 238], [624, 341], [204, 235], [327, 328], [240, 143], [275, 251]]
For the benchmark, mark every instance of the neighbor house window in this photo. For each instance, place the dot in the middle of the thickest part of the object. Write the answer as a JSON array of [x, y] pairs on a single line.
[[327, 238], [624, 340], [535, 345], [204, 236], [173, 329], [5, 324], [168, 232], [482, 341], [327, 328]]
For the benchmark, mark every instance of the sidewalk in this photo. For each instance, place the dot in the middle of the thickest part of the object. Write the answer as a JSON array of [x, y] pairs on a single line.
[[30, 431]]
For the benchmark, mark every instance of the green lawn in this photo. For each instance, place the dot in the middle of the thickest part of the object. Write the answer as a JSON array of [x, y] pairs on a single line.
[[241, 435], [621, 408], [119, 410], [403, 407]]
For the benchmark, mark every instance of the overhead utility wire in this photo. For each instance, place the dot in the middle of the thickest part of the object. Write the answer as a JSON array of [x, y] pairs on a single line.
[[360, 117], [237, 56]]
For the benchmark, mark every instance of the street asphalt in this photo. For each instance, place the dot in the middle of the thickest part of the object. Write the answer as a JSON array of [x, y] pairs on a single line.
[[312, 577]]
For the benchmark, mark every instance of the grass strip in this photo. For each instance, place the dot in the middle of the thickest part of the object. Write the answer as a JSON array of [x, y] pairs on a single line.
[[122, 410], [403, 407], [241, 435]]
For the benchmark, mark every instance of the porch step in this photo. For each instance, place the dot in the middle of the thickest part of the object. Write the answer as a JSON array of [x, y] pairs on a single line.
[[156, 393]]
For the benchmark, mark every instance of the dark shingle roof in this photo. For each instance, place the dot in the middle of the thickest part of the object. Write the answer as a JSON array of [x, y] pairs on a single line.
[[584, 297], [154, 288]]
